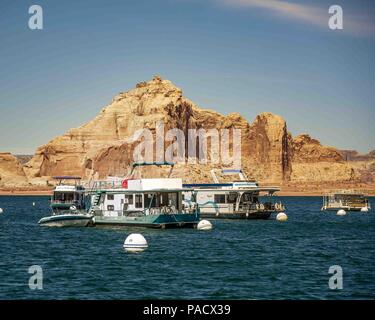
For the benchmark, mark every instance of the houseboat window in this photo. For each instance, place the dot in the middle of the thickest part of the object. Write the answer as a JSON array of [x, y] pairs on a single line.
[[163, 199], [110, 207], [172, 199], [246, 197], [129, 198], [138, 201], [150, 200], [220, 198], [232, 197], [110, 197]]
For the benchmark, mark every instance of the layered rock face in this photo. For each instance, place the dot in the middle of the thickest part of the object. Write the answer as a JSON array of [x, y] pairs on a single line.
[[104, 146], [314, 162], [353, 155], [363, 164], [268, 147], [11, 172]]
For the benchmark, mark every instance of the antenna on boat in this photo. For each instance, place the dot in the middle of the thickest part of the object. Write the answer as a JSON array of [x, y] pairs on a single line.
[[170, 170], [62, 178], [158, 164], [214, 177], [240, 173]]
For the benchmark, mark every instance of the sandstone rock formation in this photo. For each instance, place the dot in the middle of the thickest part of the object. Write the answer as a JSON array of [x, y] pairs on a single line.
[[11, 172], [103, 147], [363, 164], [353, 155], [314, 162], [269, 149]]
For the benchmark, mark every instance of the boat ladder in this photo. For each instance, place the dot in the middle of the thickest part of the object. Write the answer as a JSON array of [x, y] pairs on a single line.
[[96, 199]]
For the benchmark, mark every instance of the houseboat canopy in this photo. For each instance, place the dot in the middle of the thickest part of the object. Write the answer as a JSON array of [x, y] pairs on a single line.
[[141, 164], [67, 178]]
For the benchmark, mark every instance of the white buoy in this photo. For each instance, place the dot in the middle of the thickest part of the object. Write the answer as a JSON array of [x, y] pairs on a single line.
[[281, 216], [33, 204], [135, 242], [341, 212], [364, 209], [204, 225], [1, 210]]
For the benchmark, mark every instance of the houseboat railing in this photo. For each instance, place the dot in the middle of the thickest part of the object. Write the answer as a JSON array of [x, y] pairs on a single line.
[[147, 212], [103, 184], [65, 201], [267, 206]]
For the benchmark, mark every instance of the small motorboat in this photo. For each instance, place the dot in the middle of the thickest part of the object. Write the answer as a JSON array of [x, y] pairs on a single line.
[[68, 205], [67, 220]]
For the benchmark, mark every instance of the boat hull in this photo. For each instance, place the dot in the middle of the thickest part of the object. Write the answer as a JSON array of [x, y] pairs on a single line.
[[66, 220], [264, 215], [150, 221], [344, 208]]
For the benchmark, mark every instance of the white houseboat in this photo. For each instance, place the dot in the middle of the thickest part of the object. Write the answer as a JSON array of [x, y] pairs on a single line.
[[242, 199], [348, 200], [142, 202]]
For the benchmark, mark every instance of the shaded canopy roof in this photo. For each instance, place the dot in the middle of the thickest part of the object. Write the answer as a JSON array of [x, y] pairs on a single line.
[[67, 178], [164, 163]]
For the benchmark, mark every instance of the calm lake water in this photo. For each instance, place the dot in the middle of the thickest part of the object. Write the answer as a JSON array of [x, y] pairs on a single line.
[[235, 260]]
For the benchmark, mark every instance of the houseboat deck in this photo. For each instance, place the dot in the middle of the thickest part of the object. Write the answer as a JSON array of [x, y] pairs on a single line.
[[349, 200]]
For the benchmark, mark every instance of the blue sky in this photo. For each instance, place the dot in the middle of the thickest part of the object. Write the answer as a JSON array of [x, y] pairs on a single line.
[[247, 56]]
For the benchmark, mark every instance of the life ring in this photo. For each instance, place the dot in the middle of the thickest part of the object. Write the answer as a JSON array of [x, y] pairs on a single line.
[[124, 184]]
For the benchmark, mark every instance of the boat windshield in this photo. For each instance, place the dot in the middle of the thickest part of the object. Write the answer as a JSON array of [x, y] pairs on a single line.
[[63, 196]]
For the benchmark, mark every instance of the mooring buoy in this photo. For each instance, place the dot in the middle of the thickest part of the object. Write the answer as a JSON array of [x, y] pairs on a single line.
[[281, 216], [204, 225], [135, 242]]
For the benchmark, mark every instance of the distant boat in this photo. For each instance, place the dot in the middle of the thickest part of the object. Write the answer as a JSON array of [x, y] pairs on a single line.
[[68, 205], [155, 203], [348, 200], [234, 200]]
